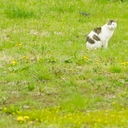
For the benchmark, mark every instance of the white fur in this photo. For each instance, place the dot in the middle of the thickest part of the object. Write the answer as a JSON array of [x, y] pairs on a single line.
[[98, 44], [106, 33]]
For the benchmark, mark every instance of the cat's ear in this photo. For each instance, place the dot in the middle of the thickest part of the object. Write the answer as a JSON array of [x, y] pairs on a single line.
[[108, 21], [115, 20]]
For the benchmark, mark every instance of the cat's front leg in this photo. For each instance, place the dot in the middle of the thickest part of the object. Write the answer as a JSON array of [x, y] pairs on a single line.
[[105, 44]]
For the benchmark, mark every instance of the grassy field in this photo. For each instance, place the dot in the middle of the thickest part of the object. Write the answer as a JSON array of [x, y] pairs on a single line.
[[48, 79]]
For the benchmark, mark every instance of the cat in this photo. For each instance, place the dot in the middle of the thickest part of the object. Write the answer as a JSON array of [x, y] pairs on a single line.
[[100, 36]]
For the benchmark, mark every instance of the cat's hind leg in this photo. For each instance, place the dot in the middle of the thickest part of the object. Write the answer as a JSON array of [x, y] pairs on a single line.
[[97, 44]]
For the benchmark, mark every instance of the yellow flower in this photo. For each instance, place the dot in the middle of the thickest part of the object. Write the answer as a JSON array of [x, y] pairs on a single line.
[[31, 122], [85, 57], [20, 118], [99, 120], [25, 57], [112, 115], [26, 117], [41, 120], [5, 109], [13, 113], [113, 103], [18, 44], [59, 107], [96, 61], [13, 62], [124, 63]]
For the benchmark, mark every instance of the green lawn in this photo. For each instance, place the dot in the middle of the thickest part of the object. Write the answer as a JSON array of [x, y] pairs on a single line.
[[48, 79]]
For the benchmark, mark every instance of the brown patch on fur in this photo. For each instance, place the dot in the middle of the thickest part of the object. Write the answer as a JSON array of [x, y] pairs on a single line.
[[91, 41], [95, 37], [97, 30], [110, 22]]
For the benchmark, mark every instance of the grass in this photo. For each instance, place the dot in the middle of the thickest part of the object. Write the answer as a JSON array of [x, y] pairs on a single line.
[[47, 76]]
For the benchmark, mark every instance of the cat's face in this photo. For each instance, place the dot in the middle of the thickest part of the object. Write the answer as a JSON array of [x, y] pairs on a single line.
[[112, 24]]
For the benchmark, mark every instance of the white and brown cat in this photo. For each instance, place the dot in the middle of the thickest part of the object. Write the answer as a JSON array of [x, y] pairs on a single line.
[[100, 36]]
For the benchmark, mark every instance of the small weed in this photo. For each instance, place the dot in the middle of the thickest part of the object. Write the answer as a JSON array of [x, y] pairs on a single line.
[[115, 69], [11, 109], [13, 11], [31, 87]]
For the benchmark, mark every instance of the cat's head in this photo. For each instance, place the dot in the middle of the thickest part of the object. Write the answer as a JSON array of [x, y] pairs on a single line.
[[111, 24]]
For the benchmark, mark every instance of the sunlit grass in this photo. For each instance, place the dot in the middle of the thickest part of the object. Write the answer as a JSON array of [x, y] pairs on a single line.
[[56, 116]]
